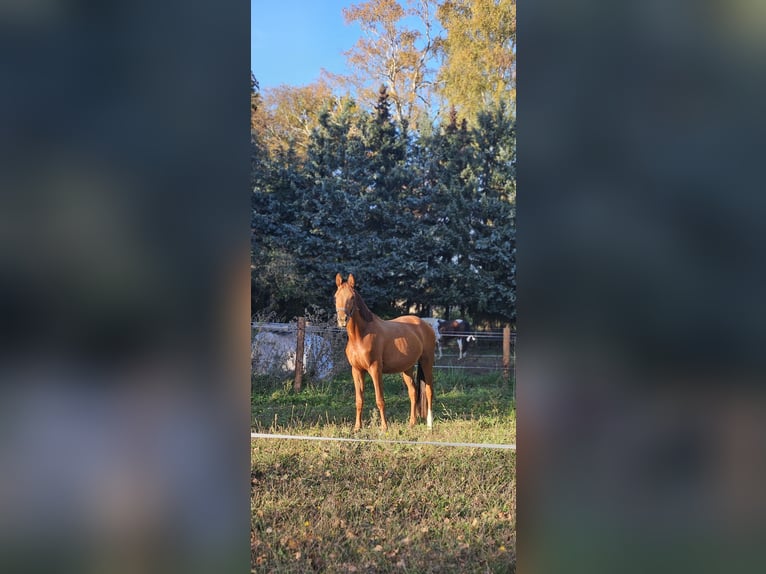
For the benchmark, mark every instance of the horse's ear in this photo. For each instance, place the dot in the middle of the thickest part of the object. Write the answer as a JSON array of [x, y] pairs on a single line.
[[351, 280], [338, 280]]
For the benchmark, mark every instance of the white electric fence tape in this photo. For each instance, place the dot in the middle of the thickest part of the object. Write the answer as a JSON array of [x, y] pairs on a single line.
[[383, 441]]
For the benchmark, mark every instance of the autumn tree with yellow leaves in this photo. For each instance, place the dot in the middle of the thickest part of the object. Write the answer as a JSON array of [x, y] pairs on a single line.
[[479, 48], [398, 48]]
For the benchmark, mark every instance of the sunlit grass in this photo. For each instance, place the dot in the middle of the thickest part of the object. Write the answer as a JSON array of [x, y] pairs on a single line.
[[478, 409], [372, 507], [340, 507]]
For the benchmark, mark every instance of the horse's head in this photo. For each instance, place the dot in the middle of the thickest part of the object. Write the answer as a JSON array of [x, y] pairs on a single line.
[[345, 299]]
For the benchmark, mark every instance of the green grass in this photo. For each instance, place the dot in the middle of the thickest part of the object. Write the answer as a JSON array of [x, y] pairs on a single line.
[[371, 507], [478, 408]]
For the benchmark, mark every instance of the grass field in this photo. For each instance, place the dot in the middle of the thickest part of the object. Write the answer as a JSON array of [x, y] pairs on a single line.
[[372, 507]]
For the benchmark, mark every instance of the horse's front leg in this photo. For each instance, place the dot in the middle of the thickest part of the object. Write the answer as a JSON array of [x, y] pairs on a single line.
[[376, 373], [358, 375]]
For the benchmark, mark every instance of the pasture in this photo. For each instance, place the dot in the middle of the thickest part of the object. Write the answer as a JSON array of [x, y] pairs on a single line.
[[342, 507]]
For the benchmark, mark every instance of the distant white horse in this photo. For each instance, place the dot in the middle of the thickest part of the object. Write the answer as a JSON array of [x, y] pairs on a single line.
[[458, 329], [435, 324]]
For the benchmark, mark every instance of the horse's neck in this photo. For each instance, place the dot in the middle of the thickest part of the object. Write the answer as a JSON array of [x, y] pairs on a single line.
[[357, 327]]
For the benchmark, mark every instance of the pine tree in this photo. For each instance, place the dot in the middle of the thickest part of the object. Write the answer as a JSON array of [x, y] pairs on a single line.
[[493, 251], [423, 219], [389, 195], [255, 99]]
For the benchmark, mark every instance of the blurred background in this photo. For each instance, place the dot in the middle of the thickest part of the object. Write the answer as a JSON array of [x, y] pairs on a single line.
[[124, 286], [641, 273]]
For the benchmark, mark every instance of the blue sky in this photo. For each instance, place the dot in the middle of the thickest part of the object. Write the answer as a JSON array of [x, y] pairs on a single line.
[[292, 40]]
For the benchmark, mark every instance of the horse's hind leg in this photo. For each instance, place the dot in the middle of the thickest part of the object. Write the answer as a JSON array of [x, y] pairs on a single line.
[[428, 375], [430, 401], [412, 392]]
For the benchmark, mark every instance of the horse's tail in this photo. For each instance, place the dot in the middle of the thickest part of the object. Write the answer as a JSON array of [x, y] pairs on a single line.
[[420, 393]]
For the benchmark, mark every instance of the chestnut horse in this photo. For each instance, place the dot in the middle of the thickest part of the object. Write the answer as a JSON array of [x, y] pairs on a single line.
[[376, 346]]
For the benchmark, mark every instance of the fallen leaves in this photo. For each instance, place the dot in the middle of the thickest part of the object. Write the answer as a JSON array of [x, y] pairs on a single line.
[[354, 514], [291, 543]]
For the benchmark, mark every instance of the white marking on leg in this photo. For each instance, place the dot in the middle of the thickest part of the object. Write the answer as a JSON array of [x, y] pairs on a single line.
[[430, 419], [468, 339]]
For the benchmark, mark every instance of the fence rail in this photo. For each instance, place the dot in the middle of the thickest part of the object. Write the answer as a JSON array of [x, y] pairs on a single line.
[[496, 334], [318, 350]]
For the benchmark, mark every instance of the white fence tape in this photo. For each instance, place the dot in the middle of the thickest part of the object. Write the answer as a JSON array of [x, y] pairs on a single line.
[[383, 441]]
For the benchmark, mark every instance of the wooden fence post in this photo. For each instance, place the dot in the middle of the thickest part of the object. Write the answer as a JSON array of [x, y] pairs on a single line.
[[507, 352], [299, 354]]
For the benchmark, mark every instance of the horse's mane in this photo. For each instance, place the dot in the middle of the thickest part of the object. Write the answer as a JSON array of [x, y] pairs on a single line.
[[364, 310]]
